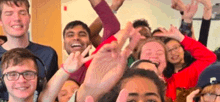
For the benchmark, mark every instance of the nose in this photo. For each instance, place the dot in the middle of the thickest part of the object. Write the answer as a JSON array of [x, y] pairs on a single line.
[[21, 79], [17, 17], [140, 101], [76, 37]]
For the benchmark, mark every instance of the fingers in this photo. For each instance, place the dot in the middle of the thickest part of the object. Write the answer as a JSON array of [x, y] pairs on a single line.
[[88, 58], [89, 99], [86, 50], [111, 48], [122, 97], [192, 2], [190, 97]]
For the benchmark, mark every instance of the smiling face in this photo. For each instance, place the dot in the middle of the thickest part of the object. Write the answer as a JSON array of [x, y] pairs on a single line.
[[141, 90], [76, 39], [21, 88], [15, 20], [154, 52], [67, 91], [175, 52]]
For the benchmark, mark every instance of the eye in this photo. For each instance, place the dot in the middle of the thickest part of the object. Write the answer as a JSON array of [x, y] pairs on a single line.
[[82, 34], [151, 100], [69, 34], [13, 74], [23, 12], [8, 13], [131, 101]]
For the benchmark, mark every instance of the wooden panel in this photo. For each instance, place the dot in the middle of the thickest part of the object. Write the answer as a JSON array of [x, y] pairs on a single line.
[[46, 24]]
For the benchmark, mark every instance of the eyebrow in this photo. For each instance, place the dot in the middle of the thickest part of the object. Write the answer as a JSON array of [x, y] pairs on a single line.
[[133, 94], [83, 32], [151, 94], [146, 94]]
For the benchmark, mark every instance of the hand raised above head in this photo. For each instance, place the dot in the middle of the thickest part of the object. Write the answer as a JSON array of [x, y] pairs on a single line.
[[178, 5], [116, 4], [108, 65], [173, 32]]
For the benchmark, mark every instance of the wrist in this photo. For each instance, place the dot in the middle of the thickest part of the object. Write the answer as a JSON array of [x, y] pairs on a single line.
[[66, 70], [86, 90], [114, 8], [188, 20]]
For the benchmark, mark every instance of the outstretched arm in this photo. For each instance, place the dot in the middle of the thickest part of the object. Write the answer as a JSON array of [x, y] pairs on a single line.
[[187, 12], [206, 21], [108, 19], [96, 26]]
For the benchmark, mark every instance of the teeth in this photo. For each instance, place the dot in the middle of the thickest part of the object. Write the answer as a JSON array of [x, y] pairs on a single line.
[[22, 88], [76, 45], [17, 26]]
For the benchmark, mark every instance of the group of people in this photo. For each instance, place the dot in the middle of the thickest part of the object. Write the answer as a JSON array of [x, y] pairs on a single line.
[[156, 66]]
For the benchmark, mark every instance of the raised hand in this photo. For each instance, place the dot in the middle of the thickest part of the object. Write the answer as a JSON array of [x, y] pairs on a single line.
[[190, 11], [76, 60], [178, 5], [106, 68], [207, 3], [116, 4], [172, 33], [190, 97]]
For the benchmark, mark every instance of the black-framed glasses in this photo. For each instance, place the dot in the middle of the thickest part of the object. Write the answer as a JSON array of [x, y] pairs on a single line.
[[176, 48], [13, 76], [209, 97]]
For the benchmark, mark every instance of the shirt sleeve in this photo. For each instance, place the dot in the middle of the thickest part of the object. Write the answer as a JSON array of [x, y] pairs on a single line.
[[110, 23], [204, 31]]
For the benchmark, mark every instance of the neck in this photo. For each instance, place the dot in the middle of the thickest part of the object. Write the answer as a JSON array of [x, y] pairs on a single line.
[[14, 99], [16, 42]]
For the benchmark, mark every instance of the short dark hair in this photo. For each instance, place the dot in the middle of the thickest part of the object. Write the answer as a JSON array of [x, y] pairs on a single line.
[[72, 24], [113, 94], [3, 37], [18, 3], [16, 56], [141, 22]]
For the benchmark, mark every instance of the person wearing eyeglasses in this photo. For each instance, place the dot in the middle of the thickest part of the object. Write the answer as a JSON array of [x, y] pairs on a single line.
[[209, 84], [19, 75], [182, 74]]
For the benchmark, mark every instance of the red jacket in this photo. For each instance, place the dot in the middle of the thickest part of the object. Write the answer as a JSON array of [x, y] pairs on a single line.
[[188, 77]]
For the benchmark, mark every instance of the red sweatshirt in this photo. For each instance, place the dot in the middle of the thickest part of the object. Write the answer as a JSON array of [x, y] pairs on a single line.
[[188, 77]]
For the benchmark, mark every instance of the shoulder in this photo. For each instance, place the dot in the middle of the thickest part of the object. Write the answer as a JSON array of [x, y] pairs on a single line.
[[2, 51], [39, 49]]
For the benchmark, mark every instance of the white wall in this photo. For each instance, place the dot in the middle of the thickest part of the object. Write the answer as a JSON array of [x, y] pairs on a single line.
[[157, 12]]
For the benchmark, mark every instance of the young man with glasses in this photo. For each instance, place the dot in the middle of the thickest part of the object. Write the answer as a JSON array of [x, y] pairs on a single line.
[[19, 75], [209, 83]]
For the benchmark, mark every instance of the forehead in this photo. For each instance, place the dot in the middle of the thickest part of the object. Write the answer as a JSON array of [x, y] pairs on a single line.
[[70, 83], [152, 46], [172, 43], [25, 65], [139, 85]]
